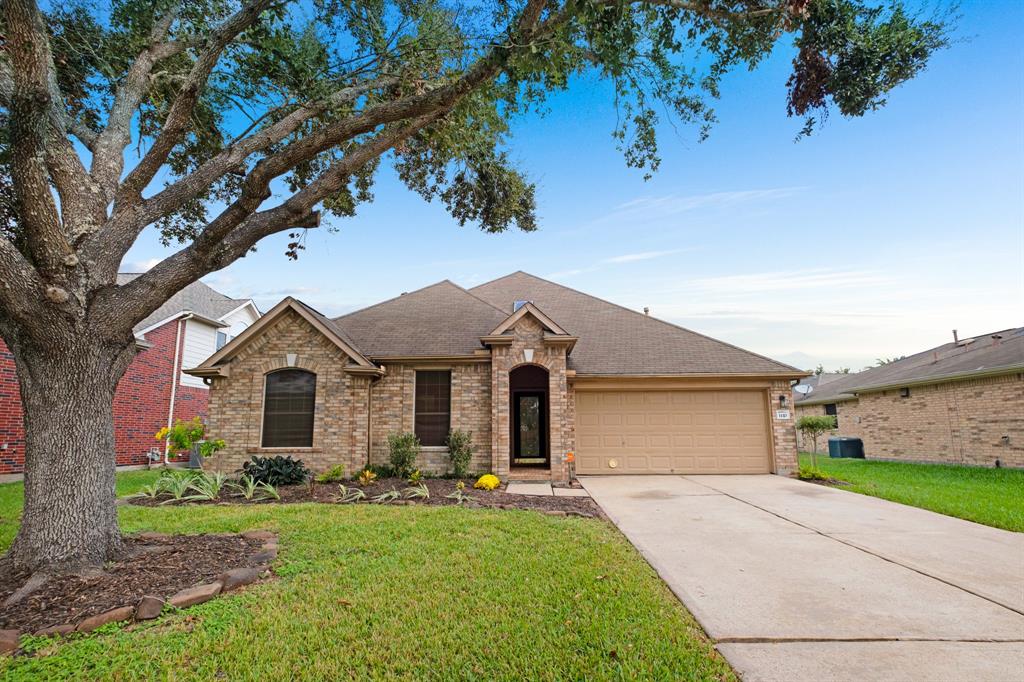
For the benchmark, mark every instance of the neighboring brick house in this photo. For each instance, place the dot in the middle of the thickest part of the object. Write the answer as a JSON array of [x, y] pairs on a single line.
[[961, 402], [183, 332], [535, 370]]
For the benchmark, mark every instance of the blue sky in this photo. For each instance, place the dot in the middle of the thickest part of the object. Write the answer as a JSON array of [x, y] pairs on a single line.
[[873, 238]]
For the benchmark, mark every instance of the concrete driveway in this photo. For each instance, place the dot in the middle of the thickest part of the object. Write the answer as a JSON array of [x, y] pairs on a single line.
[[796, 581]]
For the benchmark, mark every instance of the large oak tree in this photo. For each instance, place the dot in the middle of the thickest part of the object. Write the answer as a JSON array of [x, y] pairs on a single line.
[[220, 122]]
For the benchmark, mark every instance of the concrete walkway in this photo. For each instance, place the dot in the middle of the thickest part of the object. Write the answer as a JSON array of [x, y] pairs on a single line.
[[796, 581]]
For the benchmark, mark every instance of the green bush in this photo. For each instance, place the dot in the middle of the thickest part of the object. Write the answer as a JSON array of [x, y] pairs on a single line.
[[813, 426], [276, 470], [460, 450], [404, 448], [811, 473], [333, 475]]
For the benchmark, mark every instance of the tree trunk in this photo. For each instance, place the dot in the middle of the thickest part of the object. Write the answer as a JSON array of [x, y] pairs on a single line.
[[70, 517]]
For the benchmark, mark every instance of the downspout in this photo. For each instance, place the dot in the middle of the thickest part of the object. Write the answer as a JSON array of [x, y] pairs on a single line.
[[174, 385]]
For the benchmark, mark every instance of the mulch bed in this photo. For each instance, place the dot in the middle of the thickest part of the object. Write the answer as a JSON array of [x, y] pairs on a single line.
[[827, 482], [152, 565], [439, 489]]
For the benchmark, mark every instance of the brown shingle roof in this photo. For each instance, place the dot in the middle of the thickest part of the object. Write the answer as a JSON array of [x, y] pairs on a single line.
[[442, 319], [980, 354], [616, 340]]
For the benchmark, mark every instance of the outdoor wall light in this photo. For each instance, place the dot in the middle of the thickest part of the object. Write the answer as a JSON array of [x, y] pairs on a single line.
[[782, 401]]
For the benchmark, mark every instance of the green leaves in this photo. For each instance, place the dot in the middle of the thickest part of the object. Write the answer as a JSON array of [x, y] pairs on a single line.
[[852, 55]]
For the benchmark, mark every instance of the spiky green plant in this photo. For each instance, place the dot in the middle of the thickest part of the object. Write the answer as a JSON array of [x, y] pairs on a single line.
[[207, 486], [177, 485], [267, 491], [348, 495], [245, 487], [386, 496], [419, 492]]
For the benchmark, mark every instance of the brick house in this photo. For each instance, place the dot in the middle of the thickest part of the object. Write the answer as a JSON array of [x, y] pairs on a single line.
[[961, 402], [535, 370], [154, 391]]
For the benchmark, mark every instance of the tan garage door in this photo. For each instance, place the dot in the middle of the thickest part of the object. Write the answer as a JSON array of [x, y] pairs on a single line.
[[688, 432]]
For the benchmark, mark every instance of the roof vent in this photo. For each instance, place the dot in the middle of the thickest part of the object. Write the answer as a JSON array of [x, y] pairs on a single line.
[[647, 311], [519, 304]]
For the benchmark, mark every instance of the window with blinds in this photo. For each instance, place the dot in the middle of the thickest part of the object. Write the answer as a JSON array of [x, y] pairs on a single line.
[[288, 409], [433, 406]]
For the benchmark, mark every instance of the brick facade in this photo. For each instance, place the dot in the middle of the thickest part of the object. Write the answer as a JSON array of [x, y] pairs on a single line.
[[354, 415], [236, 402], [957, 422], [528, 335], [783, 431], [141, 402]]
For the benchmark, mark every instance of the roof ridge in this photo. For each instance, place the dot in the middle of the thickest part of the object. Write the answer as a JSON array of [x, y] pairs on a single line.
[[643, 316], [395, 298], [488, 303]]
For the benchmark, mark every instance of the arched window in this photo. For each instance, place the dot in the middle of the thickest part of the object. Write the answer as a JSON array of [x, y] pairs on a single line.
[[288, 401]]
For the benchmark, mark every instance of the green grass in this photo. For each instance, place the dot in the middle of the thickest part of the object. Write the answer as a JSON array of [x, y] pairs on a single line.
[[994, 497], [398, 592]]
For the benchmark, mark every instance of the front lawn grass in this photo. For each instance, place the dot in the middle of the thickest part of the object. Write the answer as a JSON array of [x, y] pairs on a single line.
[[371, 592], [994, 497]]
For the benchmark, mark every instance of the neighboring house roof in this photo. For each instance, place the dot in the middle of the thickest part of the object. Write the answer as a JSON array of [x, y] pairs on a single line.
[[196, 298], [617, 341], [440, 320], [988, 354]]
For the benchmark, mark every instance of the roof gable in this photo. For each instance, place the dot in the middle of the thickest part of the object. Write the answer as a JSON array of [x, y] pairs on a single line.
[[614, 340], [528, 308], [315, 319], [441, 320]]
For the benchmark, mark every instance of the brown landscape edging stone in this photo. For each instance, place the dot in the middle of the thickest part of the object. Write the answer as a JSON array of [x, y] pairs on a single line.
[[150, 607]]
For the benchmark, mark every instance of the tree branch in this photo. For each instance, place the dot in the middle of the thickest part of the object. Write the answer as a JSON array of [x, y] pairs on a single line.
[[28, 51], [234, 233], [108, 151], [181, 110]]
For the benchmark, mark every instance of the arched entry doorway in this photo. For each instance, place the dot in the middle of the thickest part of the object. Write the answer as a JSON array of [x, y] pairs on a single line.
[[528, 401]]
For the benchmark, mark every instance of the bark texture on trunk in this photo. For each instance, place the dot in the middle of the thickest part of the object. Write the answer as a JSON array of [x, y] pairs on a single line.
[[70, 516]]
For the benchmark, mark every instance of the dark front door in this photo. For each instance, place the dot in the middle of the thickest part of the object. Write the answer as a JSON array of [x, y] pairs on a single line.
[[529, 429]]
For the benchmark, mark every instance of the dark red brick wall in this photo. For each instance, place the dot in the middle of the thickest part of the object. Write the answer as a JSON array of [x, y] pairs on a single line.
[[140, 403], [11, 432]]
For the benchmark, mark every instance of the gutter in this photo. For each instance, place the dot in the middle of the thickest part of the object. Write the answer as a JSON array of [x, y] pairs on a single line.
[[174, 383]]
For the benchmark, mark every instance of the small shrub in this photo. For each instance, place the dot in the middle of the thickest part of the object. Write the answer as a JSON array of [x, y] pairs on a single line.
[[811, 473], [333, 475], [367, 477], [207, 486], [176, 484], [381, 470], [403, 448], [459, 495], [348, 495], [385, 497], [267, 491], [276, 470], [813, 426], [415, 477], [419, 492], [487, 482], [246, 486], [460, 450]]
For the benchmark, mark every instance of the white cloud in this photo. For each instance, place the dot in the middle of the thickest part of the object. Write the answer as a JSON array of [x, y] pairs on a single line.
[[615, 260], [653, 208], [140, 265], [645, 255]]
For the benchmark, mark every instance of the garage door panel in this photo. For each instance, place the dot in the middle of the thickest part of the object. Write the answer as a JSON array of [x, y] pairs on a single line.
[[672, 432]]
